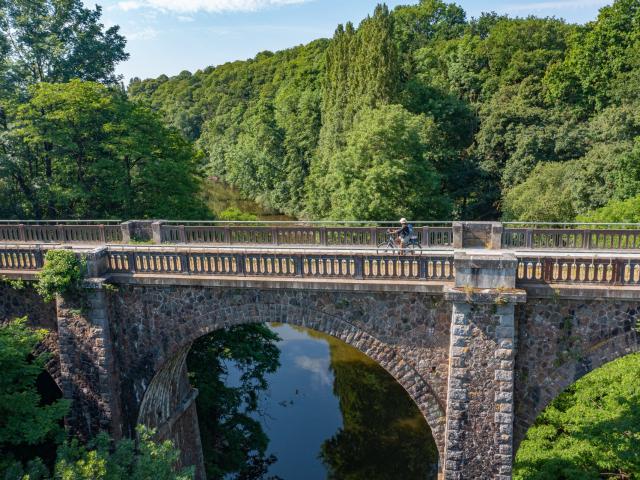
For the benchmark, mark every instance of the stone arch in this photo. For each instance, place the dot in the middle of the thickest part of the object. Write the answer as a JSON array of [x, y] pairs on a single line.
[[165, 394], [567, 374]]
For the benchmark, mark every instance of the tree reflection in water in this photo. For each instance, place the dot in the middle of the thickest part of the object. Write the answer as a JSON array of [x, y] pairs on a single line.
[[383, 435], [233, 440]]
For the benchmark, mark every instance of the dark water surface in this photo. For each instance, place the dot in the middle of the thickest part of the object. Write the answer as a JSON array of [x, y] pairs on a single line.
[[328, 411]]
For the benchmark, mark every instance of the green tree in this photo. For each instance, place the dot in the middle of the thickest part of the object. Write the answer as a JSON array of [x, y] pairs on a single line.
[[545, 196], [386, 169], [601, 53], [615, 211], [233, 440], [101, 460], [362, 72], [24, 420], [80, 149], [56, 41], [591, 431]]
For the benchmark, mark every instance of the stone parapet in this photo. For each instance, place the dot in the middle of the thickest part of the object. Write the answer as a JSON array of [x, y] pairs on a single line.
[[476, 270]]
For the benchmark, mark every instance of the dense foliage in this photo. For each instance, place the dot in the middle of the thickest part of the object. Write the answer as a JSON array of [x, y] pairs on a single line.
[[31, 424], [233, 441], [493, 108], [24, 420], [82, 150], [101, 459], [55, 41], [74, 148], [591, 431]]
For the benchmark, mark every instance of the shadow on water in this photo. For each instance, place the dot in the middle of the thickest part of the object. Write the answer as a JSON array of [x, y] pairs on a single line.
[[287, 402]]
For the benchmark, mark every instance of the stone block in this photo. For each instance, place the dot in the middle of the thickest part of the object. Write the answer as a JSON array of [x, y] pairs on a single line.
[[507, 320], [505, 450], [503, 353], [503, 418], [504, 397], [504, 375], [506, 364]]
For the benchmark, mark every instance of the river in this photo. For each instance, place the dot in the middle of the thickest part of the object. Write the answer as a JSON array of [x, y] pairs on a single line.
[[322, 410], [222, 198]]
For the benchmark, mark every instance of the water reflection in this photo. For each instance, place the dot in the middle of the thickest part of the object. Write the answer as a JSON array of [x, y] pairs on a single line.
[[317, 409]]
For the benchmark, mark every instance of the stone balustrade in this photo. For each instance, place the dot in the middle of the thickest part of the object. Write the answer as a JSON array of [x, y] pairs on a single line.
[[347, 265], [90, 232], [543, 268], [571, 239], [443, 235]]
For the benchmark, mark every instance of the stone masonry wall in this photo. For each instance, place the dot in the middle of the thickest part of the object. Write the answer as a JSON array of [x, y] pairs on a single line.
[[559, 341], [407, 333], [89, 378], [480, 405]]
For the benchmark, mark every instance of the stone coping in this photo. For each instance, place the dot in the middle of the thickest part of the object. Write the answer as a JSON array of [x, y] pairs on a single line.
[[563, 291], [582, 291], [336, 284], [497, 296]]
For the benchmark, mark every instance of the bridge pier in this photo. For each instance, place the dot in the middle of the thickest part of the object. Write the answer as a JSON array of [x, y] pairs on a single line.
[[479, 429], [87, 362]]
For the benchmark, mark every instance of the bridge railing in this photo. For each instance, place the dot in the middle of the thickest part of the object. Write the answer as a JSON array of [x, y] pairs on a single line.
[[573, 270], [571, 237], [21, 258], [67, 231], [280, 264], [307, 234], [595, 269], [353, 235]]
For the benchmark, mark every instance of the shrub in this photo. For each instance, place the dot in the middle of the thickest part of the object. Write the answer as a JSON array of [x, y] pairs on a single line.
[[61, 275]]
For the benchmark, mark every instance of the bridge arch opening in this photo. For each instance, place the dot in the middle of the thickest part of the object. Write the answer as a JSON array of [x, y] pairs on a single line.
[[167, 404], [591, 428]]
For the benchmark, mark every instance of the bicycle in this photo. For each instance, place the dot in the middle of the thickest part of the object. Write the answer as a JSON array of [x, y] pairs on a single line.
[[390, 243]]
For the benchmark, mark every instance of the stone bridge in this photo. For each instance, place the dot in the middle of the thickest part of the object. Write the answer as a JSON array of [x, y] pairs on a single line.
[[483, 326]]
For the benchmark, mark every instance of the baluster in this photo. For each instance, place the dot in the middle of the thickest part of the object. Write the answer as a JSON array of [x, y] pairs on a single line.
[[529, 239], [359, 267], [422, 266]]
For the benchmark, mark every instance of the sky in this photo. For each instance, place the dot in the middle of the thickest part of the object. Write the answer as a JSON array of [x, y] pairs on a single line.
[[169, 36]]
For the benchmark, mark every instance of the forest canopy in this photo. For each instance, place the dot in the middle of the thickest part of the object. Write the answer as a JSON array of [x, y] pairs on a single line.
[[72, 144], [500, 105]]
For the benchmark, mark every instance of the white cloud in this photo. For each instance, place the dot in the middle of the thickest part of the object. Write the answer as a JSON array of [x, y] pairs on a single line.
[[556, 5], [213, 6], [185, 18], [318, 367], [147, 33], [130, 5]]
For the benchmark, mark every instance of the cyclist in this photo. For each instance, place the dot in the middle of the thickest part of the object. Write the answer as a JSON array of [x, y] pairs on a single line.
[[403, 233]]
